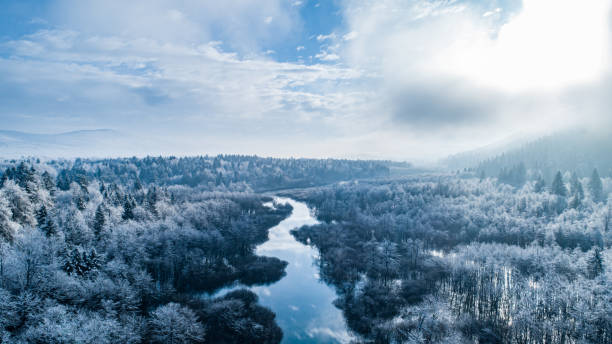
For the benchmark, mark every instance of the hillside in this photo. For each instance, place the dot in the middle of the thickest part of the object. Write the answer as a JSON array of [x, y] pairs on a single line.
[[578, 151]]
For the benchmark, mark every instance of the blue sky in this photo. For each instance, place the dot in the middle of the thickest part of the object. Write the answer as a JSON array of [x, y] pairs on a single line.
[[414, 79], [314, 18]]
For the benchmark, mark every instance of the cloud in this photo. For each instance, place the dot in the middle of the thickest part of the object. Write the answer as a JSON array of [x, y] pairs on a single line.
[[442, 65], [442, 104], [493, 12], [327, 56], [392, 78], [243, 25], [173, 89], [349, 36], [322, 37]]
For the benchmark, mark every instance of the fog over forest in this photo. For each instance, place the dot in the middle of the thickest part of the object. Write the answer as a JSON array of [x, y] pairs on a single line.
[[279, 171]]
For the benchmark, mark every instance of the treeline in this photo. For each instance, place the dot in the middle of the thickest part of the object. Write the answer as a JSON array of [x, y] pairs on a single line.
[[112, 262], [449, 260], [579, 151], [222, 172]]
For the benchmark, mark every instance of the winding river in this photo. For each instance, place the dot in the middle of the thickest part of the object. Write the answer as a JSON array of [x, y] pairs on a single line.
[[301, 301]]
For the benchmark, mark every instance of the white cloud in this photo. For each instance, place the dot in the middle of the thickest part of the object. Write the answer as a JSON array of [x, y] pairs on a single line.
[[191, 91], [243, 25], [327, 56], [490, 13], [322, 38], [481, 77], [535, 49], [300, 48], [350, 36]]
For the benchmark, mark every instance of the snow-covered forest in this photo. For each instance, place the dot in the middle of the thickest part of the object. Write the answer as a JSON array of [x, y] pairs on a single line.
[[130, 250], [118, 251], [442, 259]]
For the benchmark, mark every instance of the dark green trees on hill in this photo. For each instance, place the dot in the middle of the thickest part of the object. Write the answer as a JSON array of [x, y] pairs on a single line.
[[577, 191], [596, 187], [540, 184], [558, 187], [515, 176], [235, 172], [99, 221], [595, 263]]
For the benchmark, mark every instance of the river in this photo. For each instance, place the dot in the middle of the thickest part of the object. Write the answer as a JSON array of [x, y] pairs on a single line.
[[301, 301]]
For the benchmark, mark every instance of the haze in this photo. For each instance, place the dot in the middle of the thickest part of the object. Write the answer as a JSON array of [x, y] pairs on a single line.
[[407, 80]]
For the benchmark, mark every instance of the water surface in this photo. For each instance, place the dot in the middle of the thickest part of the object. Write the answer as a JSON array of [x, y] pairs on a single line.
[[301, 301]]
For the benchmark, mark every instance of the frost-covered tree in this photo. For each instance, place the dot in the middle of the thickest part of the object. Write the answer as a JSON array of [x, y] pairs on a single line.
[[81, 262], [41, 215], [7, 227], [595, 263], [8, 310], [128, 209], [99, 221], [19, 202], [175, 324]]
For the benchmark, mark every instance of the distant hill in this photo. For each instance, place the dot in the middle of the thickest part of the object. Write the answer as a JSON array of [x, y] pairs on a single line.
[[577, 151], [472, 158], [15, 144]]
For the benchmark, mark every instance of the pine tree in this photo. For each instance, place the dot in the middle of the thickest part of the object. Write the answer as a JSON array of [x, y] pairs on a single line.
[[522, 206], [4, 178], [540, 184], [41, 216], [607, 218], [520, 174], [128, 210], [49, 228], [48, 183], [137, 185], [7, 231], [575, 202], [99, 221], [577, 192], [152, 199], [80, 262], [81, 203], [595, 263], [81, 179], [576, 186], [45, 223], [557, 186], [596, 187]]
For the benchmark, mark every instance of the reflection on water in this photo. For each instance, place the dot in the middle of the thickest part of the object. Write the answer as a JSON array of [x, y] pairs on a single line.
[[302, 303]]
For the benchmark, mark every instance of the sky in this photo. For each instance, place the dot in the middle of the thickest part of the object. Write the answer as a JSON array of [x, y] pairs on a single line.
[[385, 79]]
